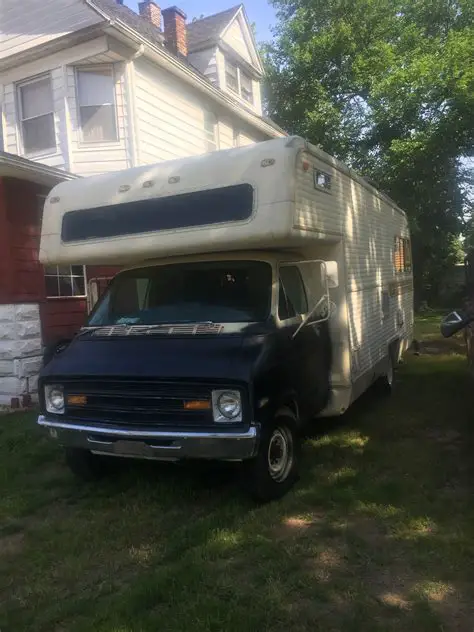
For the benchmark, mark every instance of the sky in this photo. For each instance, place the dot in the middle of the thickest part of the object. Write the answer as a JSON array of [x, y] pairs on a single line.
[[258, 11]]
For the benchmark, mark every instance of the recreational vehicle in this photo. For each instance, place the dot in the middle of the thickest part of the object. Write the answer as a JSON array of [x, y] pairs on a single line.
[[262, 287]]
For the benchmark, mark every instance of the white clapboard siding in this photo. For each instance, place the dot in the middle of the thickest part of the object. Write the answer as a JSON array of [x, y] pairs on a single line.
[[10, 139], [170, 116], [206, 62], [31, 23], [246, 139], [226, 134], [93, 158], [257, 97], [234, 37]]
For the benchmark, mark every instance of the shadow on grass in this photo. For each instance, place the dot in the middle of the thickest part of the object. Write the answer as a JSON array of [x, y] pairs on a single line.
[[376, 536]]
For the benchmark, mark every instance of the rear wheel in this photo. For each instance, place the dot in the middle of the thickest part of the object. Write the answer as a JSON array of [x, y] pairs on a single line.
[[275, 468], [85, 465]]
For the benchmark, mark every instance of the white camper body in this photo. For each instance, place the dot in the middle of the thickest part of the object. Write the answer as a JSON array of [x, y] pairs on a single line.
[[305, 207]]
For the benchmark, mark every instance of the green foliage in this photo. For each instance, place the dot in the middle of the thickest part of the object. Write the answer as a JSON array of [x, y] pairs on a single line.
[[388, 87]]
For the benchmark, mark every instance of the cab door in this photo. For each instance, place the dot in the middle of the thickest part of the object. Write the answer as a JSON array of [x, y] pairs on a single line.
[[308, 344]]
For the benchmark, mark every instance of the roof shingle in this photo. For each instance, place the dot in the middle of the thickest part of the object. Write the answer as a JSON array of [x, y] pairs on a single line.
[[120, 12], [208, 29]]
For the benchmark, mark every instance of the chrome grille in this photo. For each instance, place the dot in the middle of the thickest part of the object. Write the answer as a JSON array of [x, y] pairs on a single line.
[[142, 403], [185, 329]]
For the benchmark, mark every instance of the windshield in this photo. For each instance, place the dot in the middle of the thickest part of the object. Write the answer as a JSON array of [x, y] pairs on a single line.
[[216, 291]]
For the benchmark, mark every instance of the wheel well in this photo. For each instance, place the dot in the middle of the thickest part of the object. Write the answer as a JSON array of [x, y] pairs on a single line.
[[291, 405]]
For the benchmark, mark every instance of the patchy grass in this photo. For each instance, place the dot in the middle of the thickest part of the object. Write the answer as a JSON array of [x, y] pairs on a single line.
[[377, 536]]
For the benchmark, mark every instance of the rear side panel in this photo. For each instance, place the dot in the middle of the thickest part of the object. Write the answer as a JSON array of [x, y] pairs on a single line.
[[359, 228]]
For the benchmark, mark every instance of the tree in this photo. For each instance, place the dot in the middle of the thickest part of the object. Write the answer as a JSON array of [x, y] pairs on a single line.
[[388, 87]]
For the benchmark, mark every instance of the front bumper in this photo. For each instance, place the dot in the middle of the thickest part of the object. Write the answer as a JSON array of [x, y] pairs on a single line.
[[155, 444]]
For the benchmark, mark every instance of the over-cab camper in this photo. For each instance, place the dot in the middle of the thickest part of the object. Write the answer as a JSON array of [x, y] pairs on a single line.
[[262, 287]]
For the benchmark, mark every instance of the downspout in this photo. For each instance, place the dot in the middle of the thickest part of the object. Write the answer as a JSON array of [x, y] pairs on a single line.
[[133, 133], [67, 150]]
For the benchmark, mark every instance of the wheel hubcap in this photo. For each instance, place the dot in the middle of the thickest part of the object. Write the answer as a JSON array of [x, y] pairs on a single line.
[[280, 454]]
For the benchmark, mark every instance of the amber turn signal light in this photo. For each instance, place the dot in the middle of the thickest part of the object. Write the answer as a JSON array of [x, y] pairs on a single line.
[[76, 400], [197, 404]]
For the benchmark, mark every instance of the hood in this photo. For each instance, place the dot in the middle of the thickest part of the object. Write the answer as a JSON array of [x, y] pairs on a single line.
[[220, 358]]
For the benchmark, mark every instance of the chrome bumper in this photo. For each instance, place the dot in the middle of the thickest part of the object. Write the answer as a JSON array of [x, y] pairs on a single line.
[[155, 444]]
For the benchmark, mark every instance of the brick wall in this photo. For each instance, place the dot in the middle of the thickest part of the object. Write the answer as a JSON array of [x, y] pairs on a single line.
[[28, 318]]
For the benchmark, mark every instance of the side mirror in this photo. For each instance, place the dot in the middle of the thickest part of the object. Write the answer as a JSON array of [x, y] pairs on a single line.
[[330, 274], [454, 322]]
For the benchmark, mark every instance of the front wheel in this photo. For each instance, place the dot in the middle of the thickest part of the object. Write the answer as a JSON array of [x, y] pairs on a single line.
[[275, 468]]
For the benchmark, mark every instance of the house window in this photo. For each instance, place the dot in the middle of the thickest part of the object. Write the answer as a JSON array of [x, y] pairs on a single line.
[[238, 81], [246, 91], [65, 281], [210, 131], [96, 99], [402, 255], [36, 110], [231, 76]]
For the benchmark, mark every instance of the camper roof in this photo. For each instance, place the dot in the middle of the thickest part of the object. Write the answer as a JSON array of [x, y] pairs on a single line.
[[203, 203], [235, 199]]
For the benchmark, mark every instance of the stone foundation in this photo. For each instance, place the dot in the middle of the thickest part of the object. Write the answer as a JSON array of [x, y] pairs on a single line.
[[20, 353]]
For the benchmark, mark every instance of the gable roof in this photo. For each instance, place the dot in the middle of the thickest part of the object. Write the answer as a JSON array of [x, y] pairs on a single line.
[[133, 20], [209, 29], [124, 19]]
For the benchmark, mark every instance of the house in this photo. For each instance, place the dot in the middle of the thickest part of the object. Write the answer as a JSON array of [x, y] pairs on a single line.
[[87, 87], [90, 86]]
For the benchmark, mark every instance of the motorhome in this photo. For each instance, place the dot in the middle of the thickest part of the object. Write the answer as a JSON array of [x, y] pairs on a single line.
[[262, 287]]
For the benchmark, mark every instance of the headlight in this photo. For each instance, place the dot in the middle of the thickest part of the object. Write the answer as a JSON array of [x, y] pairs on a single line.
[[226, 406], [54, 398]]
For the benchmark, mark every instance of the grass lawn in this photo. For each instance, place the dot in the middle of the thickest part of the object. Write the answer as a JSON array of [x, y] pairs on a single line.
[[378, 534]]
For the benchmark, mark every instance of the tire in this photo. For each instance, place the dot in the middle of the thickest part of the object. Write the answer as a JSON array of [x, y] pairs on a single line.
[[385, 383], [85, 465], [272, 473]]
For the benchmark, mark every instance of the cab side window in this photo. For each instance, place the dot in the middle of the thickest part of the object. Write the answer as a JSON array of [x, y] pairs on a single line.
[[292, 297]]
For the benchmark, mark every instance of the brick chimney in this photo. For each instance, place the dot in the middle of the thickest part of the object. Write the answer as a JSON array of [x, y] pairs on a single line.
[[151, 12], [174, 27]]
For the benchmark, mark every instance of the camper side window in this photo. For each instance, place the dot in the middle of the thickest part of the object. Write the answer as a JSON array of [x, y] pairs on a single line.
[[292, 298], [402, 255]]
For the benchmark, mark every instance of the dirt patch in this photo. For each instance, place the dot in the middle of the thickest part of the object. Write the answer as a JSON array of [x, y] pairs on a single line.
[[294, 526], [443, 346], [368, 531], [394, 600], [11, 544], [450, 602]]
